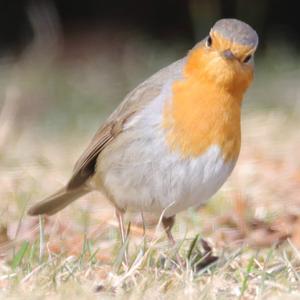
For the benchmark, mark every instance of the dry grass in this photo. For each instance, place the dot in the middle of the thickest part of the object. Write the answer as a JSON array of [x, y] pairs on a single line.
[[252, 223]]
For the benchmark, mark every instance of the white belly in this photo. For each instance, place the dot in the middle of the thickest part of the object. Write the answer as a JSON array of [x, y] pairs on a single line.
[[139, 172], [153, 180]]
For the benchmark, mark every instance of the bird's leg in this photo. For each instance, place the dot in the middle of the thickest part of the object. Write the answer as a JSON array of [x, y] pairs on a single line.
[[168, 225], [120, 217]]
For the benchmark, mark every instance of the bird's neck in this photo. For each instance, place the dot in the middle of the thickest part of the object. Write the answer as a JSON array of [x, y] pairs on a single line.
[[203, 113]]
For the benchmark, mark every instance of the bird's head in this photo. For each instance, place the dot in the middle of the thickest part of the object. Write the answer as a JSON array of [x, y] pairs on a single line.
[[225, 56]]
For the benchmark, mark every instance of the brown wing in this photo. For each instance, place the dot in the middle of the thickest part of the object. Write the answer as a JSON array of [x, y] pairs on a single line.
[[134, 102], [85, 166]]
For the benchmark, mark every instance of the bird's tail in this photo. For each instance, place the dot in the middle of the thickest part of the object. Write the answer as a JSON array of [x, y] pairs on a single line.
[[56, 202]]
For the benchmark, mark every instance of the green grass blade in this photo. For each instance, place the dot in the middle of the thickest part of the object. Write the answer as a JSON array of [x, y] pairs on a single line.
[[246, 276], [192, 247], [17, 259]]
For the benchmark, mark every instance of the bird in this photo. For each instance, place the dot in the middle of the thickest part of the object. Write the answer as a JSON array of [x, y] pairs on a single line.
[[174, 139]]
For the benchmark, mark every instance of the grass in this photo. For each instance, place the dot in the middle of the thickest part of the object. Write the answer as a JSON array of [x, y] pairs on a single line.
[[252, 223], [238, 274]]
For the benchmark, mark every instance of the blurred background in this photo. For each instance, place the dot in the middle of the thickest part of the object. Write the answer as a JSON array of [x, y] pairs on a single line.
[[65, 65], [74, 56]]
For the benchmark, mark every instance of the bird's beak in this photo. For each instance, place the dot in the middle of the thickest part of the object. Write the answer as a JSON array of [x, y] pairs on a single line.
[[228, 54]]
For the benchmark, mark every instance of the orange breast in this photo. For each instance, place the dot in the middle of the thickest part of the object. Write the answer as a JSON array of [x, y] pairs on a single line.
[[203, 113]]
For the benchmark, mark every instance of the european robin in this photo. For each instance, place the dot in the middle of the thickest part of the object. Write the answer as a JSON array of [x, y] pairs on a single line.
[[174, 139]]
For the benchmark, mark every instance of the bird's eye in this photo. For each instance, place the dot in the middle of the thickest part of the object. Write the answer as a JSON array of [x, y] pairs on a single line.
[[209, 41], [247, 58]]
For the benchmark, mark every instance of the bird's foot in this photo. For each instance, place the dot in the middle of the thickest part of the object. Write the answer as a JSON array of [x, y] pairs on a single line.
[[200, 255]]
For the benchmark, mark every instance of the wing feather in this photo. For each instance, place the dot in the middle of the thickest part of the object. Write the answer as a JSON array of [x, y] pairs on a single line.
[[134, 102]]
